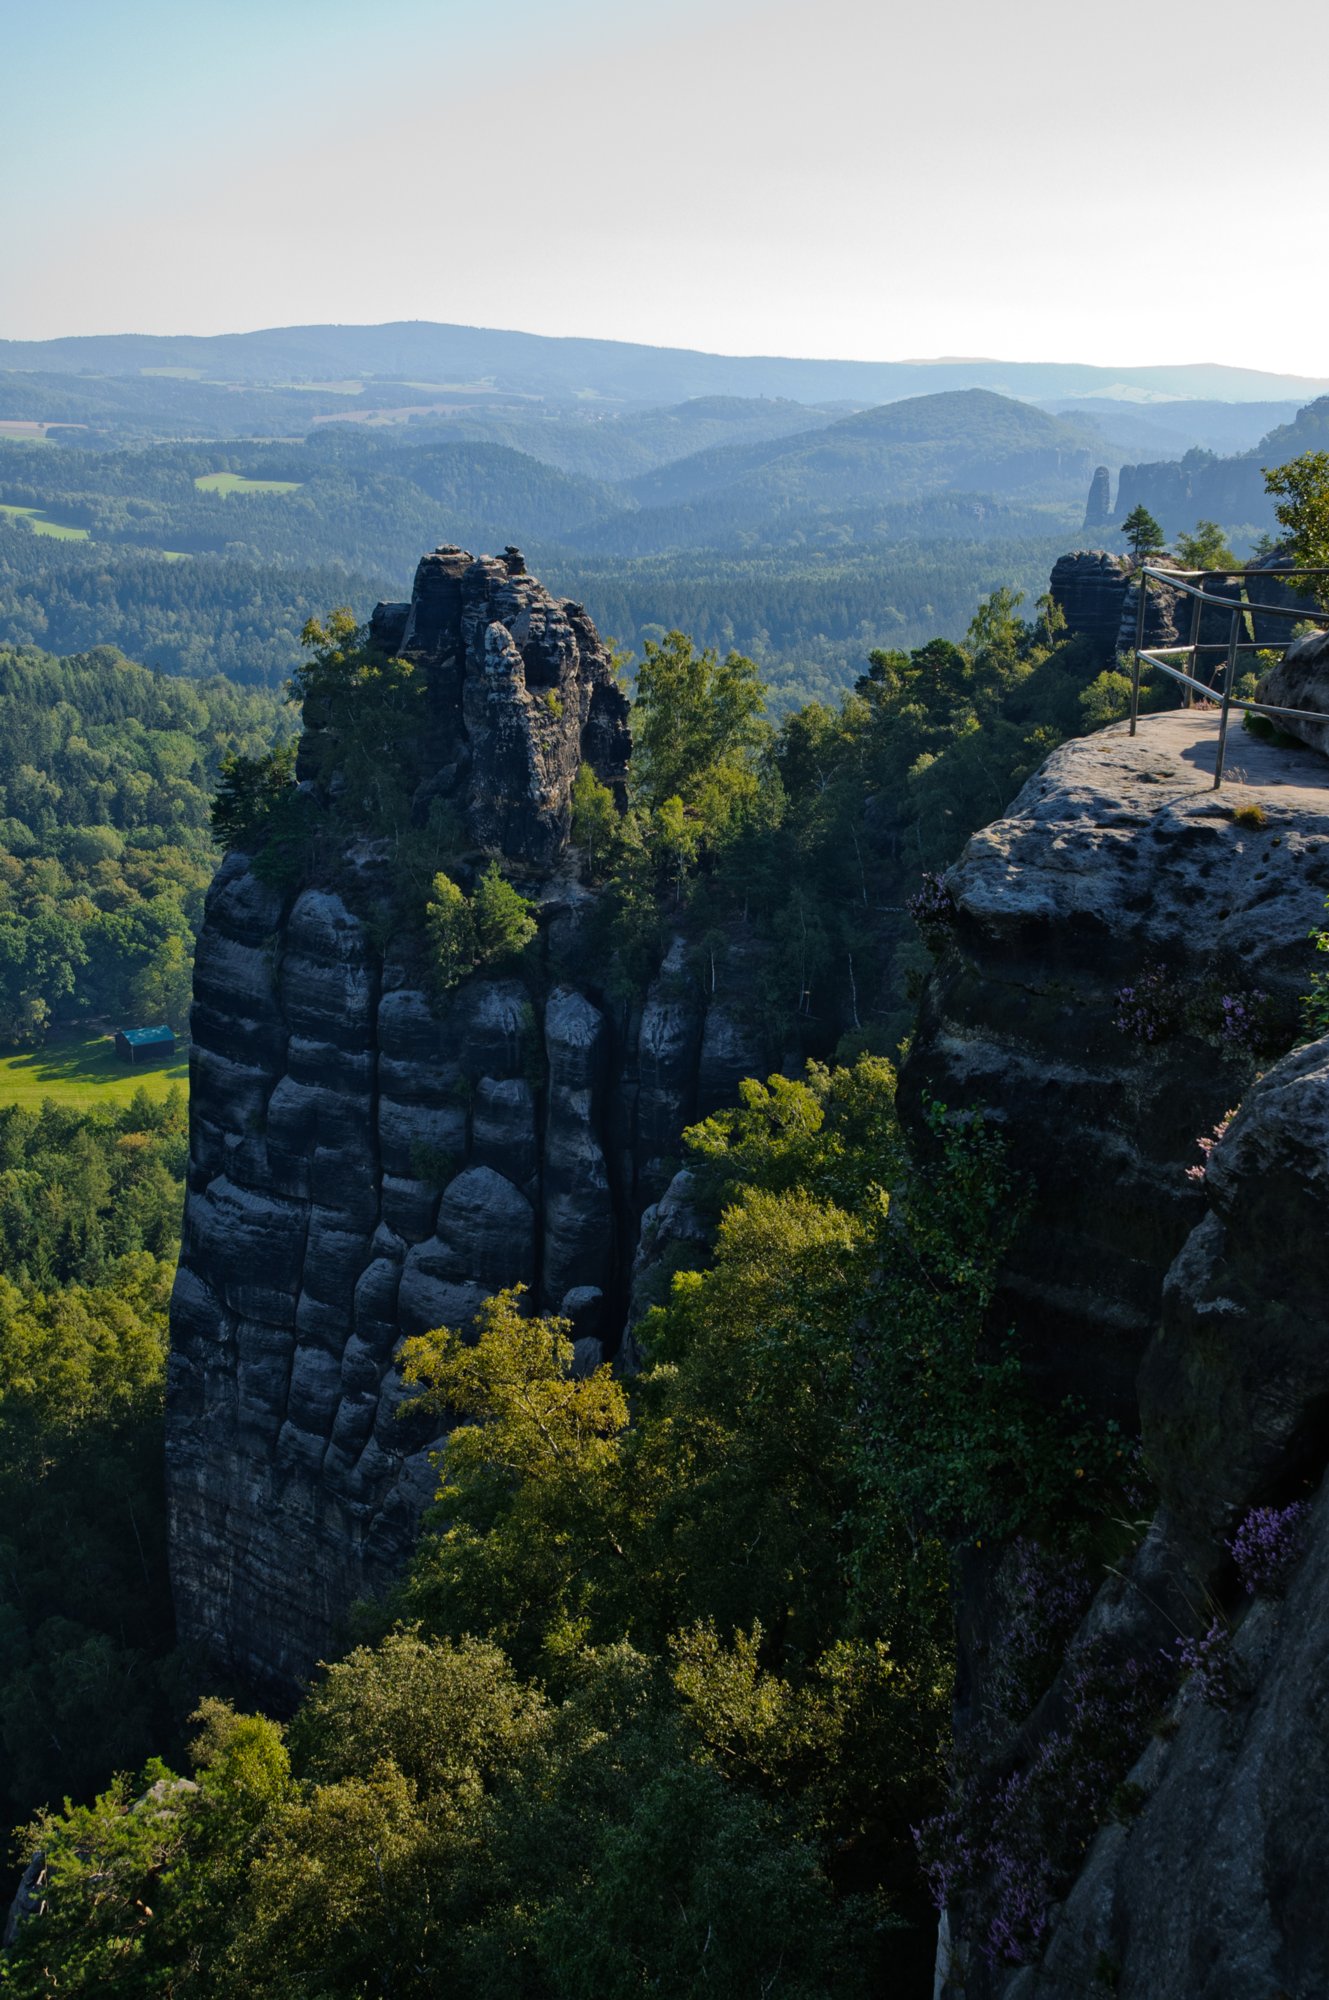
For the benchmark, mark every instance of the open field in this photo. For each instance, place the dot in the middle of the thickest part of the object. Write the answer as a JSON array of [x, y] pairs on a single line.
[[83, 1069], [235, 482], [39, 524]]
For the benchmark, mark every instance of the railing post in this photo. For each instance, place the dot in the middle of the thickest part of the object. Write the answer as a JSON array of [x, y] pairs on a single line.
[[1139, 646], [1229, 679], [1197, 606]]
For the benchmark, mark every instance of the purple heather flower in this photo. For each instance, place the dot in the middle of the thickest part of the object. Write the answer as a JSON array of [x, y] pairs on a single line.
[[1267, 1546]]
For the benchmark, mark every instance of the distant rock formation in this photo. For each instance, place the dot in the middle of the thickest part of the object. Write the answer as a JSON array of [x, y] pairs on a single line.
[[1098, 510], [367, 1161]]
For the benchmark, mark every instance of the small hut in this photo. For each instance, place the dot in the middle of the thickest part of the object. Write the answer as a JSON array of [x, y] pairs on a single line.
[[133, 1043]]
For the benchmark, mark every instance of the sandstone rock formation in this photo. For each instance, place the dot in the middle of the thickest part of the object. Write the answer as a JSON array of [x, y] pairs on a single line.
[[1210, 1888], [367, 1162], [1301, 680], [1098, 508], [1119, 867], [1198, 1305], [1089, 588]]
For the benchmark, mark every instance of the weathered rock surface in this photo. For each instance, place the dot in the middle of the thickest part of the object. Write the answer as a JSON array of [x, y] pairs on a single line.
[[1089, 587], [1213, 1889], [367, 1163], [1301, 680], [1115, 859]]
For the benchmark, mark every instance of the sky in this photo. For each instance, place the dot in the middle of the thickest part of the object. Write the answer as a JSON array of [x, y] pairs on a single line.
[[1029, 179]]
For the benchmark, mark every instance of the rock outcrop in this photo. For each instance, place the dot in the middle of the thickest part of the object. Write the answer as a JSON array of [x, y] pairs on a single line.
[[1098, 507], [1209, 1888], [1089, 588], [1193, 1301], [1119, 871], [367, 1161], [1301, 680]]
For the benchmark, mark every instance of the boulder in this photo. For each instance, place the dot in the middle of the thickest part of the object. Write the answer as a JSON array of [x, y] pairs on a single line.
[[1301, 680]]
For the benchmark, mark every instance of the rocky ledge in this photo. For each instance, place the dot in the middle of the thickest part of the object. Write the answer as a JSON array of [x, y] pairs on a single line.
[[1122, 939]]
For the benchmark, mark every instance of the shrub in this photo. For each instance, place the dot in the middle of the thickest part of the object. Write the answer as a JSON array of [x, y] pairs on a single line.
[[450, 929], [504, 921]]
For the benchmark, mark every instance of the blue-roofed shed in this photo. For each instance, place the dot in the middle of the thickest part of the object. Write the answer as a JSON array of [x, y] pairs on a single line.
[[133, 1044]]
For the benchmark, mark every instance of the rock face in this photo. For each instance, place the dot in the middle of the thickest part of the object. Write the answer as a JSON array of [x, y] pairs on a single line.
[[1118, 867], [1212, 1890], [1200, 1305], [366, 1162], [1089, 588]]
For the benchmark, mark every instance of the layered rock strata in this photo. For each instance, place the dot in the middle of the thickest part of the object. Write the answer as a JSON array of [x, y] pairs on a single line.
[[1120, 888], [1209, 1887], [367, 1161], [1193, 1302]]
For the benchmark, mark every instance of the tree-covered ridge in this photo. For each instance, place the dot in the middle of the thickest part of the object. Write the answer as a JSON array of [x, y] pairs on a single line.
[[667, 1685], [106, 778]]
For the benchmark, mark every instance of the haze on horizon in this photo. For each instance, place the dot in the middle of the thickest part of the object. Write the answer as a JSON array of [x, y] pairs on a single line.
[[849, 181]]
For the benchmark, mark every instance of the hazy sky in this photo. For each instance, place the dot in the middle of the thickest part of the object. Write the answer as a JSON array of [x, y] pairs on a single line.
[[1034, 179]]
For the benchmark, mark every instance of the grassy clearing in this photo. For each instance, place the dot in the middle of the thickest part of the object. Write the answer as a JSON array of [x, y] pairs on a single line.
[[235, 482], [19, 432], [83, 1069], [39, 524]]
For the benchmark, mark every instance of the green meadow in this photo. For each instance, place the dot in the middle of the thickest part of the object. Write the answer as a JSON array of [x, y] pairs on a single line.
[[235, 482], [39, 524], [84, 1069]]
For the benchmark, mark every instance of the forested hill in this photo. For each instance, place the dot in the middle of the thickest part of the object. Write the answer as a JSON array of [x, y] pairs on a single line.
[[804, 537], [455, 356]]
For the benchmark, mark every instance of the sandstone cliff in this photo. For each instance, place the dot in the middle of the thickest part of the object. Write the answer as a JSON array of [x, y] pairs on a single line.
[[367, 1162], [1116, 937]]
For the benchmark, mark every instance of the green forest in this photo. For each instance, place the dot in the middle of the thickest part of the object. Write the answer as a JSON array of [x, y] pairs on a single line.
[[666, 1687], [106, 779], [663, 1699]]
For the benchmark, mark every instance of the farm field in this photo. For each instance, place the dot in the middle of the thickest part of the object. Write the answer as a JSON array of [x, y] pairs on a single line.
[[41, 526], [235, 482], [83, 1070]]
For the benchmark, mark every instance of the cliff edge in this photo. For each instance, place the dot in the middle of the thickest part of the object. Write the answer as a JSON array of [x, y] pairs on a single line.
[[1123, 955]]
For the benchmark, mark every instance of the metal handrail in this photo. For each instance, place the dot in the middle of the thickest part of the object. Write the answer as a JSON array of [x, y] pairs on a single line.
[[1238, 610]]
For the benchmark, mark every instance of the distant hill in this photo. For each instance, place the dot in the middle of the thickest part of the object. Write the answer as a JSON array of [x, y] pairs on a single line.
[[1202, 486], [1150, 430], [966, 440], [607, 445], [449, 359]]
